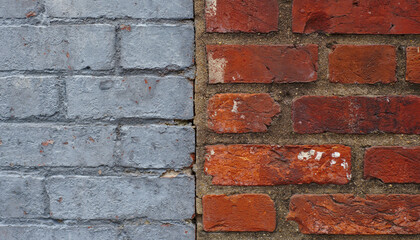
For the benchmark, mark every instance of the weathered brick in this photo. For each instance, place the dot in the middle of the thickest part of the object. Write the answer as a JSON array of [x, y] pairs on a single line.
[[85, 197], [157, 146], [24, 96], [265, 165], [413, 64], [129, 97], [162, 46], [393, 164], [21, 196], [241, 113], [348, 214], [239, 213], [357, 115], [19, 9], [242, 16], [46, 232], [163, 231], [175, 9], [56, 145], [357, 17], [363, 64], [262, 64], [58, 47]]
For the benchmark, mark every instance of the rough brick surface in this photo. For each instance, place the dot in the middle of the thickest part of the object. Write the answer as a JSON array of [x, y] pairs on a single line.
[[163, 231], [21, 196], [130, 96], [121, 197], [262, 64], [162, 46], [34, 145], [18, 9], [241, 113], [146, 9], [393, 164], [239, 213], [26, 96], [413, 64], [242, 16], [357, 17], [265, 165], [358, 115], [363, 64], [58, 47], [347, 214], [157, 146]]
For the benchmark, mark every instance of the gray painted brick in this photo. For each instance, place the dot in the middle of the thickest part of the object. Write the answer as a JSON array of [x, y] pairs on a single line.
[[57, 47], [61, 232], [18, 8], [83, 197], [23, 96], [157, 146], [157, 46], [129, 97], [21, 196], [161, 232], [56, 145], [147, 9]]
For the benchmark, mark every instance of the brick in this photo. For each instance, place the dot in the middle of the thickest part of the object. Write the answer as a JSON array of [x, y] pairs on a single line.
[[18, 9], [25, 96], [21, 196], [363, 64], [156, 9], [162, 46], [262, 64], [252, 16], [269, 165], [84, 197], [393, 164], [357, 115], [413, 65], [129, 97], [241, 113], [46, 232], [239, 213], [356, 17], [58, 47], [348, 214], [34, 145], [155, 146], [167, 231]]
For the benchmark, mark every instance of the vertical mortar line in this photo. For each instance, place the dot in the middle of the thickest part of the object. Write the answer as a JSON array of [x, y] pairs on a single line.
[[118, 70]]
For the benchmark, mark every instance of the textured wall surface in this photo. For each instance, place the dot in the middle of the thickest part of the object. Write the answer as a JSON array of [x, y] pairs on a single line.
[[96, 109]]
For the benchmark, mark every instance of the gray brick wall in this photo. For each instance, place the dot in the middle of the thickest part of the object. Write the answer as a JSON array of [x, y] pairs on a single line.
[[96, 110]]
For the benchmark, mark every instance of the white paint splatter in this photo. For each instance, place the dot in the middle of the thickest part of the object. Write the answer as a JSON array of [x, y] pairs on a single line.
[[216, 69], [306, 155], [344, 164], [242, 116], [319, 155], [211, 7], [333, 162], [212, 152], [235, 106], [348, 176], [335, 154]]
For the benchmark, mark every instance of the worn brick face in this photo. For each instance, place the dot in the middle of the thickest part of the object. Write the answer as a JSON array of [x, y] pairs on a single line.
[[262, 63], [413, 64]]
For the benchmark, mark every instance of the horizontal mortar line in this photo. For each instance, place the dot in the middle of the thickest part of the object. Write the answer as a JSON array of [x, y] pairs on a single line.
[[47, 221], [119, 121], [48, 21]]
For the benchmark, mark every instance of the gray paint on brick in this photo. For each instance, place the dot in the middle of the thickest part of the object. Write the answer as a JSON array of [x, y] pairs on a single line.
[[27, 96], [21, 196], [56, 145], [157, 46], [18, 8], [161, 232], [146, 9], [58, 47], [157, 146], [84, 197], [129, 97]]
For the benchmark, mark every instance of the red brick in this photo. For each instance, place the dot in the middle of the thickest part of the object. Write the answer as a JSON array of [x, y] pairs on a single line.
[[347, 214], [393, 164], [239, 213], [241, 113], [265, 165], [262, 64], [242, 16], [413, 64], [357, 115], [355, 16], [363, 64]]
